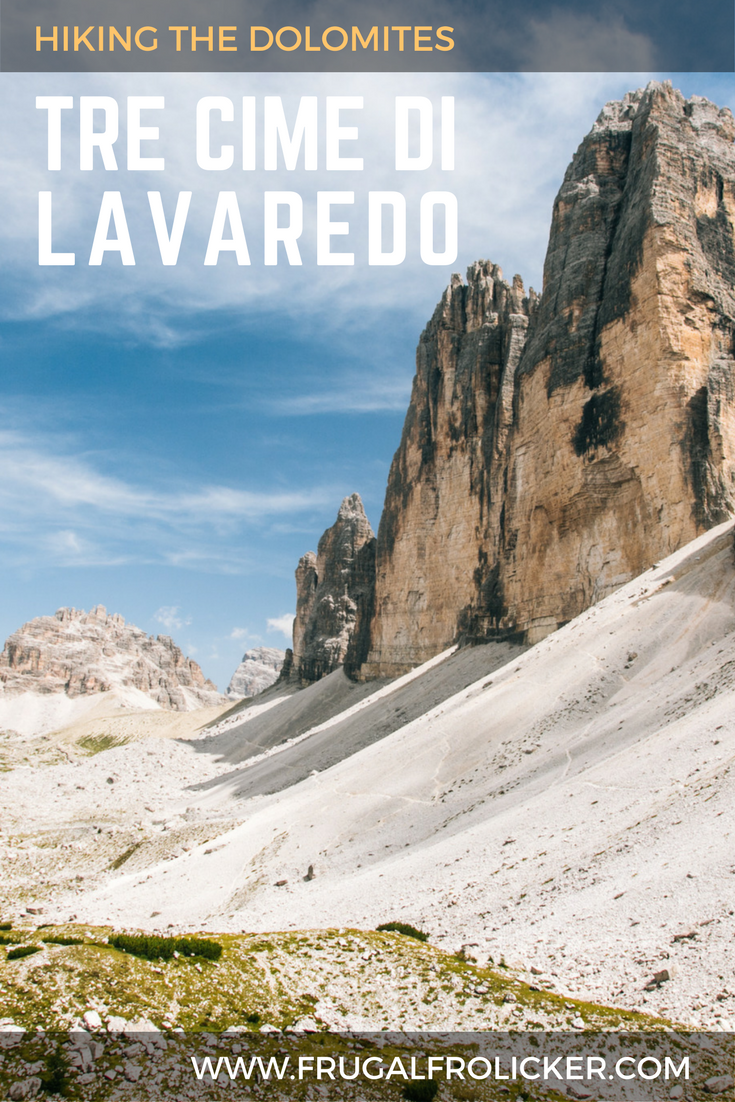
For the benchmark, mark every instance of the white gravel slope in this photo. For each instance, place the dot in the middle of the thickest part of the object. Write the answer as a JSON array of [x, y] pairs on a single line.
[[573, 810], [40, 713]]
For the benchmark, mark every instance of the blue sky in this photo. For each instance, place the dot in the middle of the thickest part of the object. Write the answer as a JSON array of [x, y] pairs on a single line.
[[173, 439]]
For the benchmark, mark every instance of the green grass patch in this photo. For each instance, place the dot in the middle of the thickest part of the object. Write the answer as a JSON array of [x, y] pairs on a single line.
[[152, 947], [120, 861], [275, 978], [96, 744], [403, 928], [23, 951]]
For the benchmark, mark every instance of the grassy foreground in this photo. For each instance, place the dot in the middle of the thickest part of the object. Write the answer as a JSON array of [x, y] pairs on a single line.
[[340, 979], [334, 996]]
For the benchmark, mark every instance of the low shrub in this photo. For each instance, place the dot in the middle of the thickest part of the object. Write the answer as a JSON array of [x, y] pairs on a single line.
[[5, 940], [6, 925], [404, 928], [421, 1091], [153, 947], [23, 951], [58, 939], [54, 1079]]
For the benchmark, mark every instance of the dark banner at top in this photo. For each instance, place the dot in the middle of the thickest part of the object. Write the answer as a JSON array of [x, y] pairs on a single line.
[[382, 36]]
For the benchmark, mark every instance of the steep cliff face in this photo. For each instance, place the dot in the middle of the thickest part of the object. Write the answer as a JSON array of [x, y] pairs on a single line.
[[555, 449], [439, 488], [334, 592], [80, 653]]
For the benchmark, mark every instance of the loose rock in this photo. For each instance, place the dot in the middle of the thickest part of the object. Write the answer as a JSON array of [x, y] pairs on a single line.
[[718, 1084]]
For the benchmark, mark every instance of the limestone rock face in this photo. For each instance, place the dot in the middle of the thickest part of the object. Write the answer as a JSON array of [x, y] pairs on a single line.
[[439, 487], [554, 449], [258, 670], [78, 653], [334, 591]]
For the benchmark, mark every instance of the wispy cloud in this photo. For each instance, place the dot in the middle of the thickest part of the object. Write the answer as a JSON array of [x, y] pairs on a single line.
[[368, 394], [168, 615], [60, 506], [529, 124], [245, 637], [282, 624], [30, 470]]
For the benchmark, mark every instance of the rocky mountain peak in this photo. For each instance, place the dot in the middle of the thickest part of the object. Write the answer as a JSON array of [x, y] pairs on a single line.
[[661, 97], [332, 588], [556, 446], [258, 670], [352, 510], [80, 653]]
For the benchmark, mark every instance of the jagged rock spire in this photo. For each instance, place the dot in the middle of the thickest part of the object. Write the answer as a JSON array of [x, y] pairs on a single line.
[[331, 588]]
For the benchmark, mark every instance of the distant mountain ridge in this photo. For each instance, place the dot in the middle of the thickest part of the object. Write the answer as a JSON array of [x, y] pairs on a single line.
[[79, 653], [258, 670]]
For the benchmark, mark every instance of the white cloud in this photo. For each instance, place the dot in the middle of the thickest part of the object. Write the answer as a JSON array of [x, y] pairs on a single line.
[[32, 469], [239, 633], [529, 124], [168, 615], [282, 624], [60, 506], [367, 394], [66, 543]]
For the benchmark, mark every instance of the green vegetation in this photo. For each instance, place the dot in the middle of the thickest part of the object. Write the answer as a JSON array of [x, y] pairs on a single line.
[[120, 861], [421, 1091], [163, 948], [275, 980], [57, 939], [6, 925], [96, 744], [54, 1079], [5, 940], [23, 951], [404, 928]]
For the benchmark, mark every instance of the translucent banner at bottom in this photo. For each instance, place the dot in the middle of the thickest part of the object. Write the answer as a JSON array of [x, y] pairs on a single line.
[[177, 1066]]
